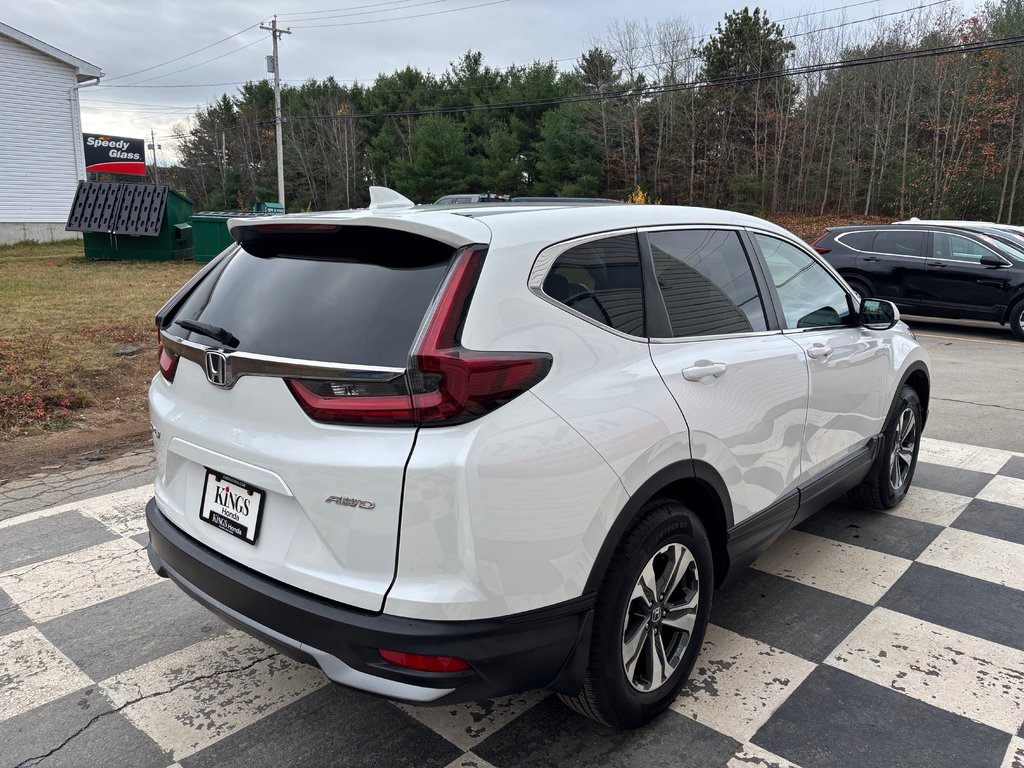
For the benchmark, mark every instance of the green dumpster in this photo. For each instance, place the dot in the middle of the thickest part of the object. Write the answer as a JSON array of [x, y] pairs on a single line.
[[132, 221], [267, 208], [210, 233]]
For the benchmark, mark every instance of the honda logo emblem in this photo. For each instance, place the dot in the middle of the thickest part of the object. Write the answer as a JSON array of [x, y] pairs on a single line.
[[217, 369]]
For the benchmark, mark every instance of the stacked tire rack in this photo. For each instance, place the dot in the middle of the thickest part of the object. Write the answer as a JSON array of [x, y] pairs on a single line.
[[132, 221]]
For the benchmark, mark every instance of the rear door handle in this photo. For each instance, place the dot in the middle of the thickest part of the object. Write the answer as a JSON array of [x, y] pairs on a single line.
[[872, 258], [702, 369], [819, 351], [936, 264]]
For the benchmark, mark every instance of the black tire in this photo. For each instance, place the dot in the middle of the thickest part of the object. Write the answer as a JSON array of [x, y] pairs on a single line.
[[859, 286], [885, 487], [1017, 320], [610, 695]]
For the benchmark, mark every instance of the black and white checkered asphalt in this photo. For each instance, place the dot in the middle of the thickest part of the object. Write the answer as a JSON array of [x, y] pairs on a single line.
[[858, 639]]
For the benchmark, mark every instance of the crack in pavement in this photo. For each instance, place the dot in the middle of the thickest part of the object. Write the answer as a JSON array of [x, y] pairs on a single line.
[[18, 576], [35, 760], [980, 405]]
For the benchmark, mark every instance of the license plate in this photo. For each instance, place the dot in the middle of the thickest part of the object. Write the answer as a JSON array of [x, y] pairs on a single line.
[[233, 506]]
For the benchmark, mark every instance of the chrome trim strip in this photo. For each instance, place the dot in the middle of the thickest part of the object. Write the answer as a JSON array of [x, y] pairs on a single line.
[[1006, 263], [715, 337], [820, 328], [974, 263], [935, 258], [677, 227], [546, 258], [250, 364]]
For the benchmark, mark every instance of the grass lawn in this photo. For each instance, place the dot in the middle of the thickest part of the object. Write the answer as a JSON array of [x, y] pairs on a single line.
[[61, 320]]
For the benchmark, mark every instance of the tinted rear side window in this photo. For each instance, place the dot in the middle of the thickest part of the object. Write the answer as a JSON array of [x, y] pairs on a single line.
[[706, 280], [357, 296], [899, 242], [860, 241], [602, 280]]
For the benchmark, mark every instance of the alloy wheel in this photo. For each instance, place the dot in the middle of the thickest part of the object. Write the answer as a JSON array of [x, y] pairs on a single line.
[[903, 449], [660, 617]]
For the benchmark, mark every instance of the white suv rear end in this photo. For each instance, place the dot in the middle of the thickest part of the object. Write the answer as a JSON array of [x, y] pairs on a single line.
[[447, 455]]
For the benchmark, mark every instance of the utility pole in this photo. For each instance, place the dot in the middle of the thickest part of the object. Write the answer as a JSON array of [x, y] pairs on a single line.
[[154, 146], [276, 33]]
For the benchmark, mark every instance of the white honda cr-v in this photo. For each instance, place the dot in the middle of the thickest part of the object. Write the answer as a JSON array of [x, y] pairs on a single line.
[[448, 454]]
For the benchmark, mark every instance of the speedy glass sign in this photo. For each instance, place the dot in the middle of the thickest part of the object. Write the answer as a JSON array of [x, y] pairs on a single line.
[[114, 154]]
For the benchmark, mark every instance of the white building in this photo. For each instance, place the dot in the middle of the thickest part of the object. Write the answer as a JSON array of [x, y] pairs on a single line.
[[41, 154]]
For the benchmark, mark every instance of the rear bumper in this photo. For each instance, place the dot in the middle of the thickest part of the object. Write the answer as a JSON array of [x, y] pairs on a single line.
[[546, 648]]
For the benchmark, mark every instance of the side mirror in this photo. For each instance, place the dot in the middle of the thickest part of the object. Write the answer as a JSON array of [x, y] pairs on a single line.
[[878, 315], [991, 260]]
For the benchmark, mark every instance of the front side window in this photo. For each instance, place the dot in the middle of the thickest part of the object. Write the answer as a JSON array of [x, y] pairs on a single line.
[[898, 242], [810, 296], [706, 281], [602, 280]]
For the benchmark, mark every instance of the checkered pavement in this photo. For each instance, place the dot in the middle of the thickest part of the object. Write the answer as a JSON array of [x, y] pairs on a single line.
[[858, 639]]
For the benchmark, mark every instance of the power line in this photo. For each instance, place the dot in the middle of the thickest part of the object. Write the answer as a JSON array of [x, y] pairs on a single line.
[[183, 110], [185, 55], [397, 18], [697, 38], [150, 119], [347, 8], [142, 104], [201, 63], [176, 110], [796, 35], [607, 50], [921, 53], [191, 85], [377, 10], [694, 57], [138, 83]]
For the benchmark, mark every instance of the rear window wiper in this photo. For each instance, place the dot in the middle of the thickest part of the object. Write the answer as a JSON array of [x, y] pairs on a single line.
[[213, 331]]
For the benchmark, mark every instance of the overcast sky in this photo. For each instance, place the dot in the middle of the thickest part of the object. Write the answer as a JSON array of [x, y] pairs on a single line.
[[349, 39]]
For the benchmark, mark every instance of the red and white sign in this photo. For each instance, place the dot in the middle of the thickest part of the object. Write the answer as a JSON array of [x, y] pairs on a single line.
[[114, 154]]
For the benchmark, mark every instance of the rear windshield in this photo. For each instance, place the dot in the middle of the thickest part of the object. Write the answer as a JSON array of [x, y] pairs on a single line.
[[354, 296]]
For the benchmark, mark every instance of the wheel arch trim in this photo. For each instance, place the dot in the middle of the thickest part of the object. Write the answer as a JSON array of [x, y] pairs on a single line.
[[716, 521], [917, 370], [1018, 298], [855, 274]]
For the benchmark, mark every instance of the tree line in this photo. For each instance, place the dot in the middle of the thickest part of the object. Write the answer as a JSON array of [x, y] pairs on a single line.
[[759, 116]]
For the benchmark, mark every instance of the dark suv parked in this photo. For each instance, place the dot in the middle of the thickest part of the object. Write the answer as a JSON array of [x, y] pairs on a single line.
[[932, 270]]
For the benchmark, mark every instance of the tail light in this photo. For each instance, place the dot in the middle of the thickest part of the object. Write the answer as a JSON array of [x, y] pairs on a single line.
[[168, 360], [370, 403], [423, 663], [816, 247], [445, 383]]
